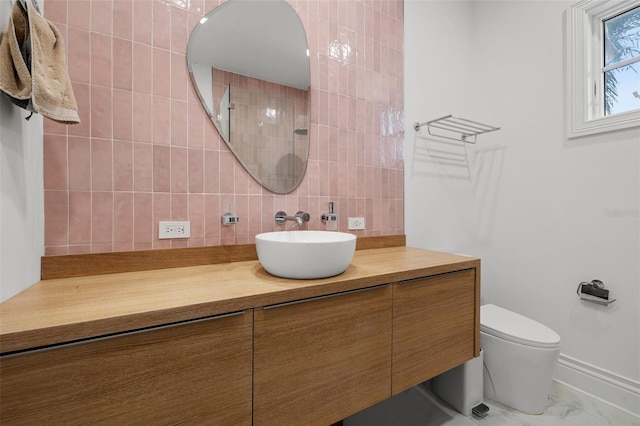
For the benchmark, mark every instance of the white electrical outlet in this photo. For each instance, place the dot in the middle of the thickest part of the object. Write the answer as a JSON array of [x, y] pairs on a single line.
[[174, 229], [356, 223]]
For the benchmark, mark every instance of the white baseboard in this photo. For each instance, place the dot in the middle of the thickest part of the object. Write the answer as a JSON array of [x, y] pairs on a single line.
[[601, 384]]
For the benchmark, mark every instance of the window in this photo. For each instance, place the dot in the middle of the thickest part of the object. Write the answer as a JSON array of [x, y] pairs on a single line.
[[603, 66]]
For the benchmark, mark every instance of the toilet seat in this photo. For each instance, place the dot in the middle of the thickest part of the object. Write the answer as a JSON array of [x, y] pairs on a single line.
[[516, 328]]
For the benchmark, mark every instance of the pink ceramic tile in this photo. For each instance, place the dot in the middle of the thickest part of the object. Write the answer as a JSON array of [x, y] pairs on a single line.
[[179, 243], [122, 166], [122, 64], [101, 165], [142, 117], [343, 112], [196, 171], [313, 178], [179, 76], [142, 219], [323, 181], [142, 167], [179, 207], [212, 214], [101, 59], [161, 168], [196, 130], [161, 120], [161, 72], [142, 68], [79, 14], [179, 31], [80, 214], [122, 115], [79, 152], [211, 172], [79, 52], [56, 214], [56, 11], [179, 123], [101, 217], [122, 246], [242, 210], [101, 16], [179, 169], [143, 21], [55, 162], [334, 178], [101, 112], [123, 19], [161, 22], [79, 249], [161, 210], [197, 215], [323, 107], [101, 247], [227, 173], [123, 217], [254, 217]]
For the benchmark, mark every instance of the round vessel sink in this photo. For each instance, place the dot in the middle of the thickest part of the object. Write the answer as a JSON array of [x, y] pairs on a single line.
[[305, 254]]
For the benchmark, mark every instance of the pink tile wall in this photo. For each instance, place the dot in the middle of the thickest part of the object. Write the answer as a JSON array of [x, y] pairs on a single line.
[[145, 151]]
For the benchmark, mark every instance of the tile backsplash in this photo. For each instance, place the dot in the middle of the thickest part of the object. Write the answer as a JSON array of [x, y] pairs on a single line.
[[146, 151]]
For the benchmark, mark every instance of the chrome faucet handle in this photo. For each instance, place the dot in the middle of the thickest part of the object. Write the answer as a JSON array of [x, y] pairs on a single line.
[[304, 217], [281, 217]]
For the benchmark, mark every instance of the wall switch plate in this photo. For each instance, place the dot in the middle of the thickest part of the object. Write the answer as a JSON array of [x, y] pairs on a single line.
[[174, 229], [355, 223]]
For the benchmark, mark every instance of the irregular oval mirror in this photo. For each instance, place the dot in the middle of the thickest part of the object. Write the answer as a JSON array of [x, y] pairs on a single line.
[[249, 63]]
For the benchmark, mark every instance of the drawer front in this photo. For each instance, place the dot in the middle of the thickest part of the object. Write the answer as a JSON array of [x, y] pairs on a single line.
[[196, 372], [321, 360], [433, 326]]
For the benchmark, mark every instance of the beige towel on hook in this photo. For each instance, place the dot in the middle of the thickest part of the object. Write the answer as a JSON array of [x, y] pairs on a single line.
[[15, 77], [51, 92]]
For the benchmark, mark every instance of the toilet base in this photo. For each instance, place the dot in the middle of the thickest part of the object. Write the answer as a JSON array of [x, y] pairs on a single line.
[[516, 375]]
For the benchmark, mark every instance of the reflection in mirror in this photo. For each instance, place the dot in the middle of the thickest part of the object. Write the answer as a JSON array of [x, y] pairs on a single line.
[[249, 63]]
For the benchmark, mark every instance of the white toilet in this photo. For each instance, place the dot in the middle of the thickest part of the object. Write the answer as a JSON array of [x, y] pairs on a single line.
[[520, 357]]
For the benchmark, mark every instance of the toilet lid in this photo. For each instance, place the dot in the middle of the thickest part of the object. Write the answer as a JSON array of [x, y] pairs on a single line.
[[516, 328]]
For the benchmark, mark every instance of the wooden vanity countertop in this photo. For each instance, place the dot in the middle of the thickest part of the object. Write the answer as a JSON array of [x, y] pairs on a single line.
[[68, 309]]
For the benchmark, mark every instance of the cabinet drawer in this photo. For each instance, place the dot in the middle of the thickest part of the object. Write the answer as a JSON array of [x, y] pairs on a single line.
[[193, 372], [433, 326], [319, 361]]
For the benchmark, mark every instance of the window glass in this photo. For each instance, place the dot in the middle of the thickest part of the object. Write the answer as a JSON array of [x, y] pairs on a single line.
[[621, 66]]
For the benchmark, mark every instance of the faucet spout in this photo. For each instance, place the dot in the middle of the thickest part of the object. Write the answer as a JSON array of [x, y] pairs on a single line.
[[300, 218]]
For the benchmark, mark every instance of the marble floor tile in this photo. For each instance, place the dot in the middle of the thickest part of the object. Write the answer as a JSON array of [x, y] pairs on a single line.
[[418, 406]]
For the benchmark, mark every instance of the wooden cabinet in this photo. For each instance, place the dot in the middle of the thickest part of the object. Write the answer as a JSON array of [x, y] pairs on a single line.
[[320, 360], [197, 372], [434, 326], [308, 362]]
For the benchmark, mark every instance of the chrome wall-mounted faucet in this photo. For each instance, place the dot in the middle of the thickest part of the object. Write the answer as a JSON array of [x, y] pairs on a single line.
[[300, 218]]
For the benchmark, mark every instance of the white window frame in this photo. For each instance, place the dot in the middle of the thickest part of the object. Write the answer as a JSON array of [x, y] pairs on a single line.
[[584, 58]]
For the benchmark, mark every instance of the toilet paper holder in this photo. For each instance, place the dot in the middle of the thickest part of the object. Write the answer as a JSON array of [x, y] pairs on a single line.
[[595, 292]]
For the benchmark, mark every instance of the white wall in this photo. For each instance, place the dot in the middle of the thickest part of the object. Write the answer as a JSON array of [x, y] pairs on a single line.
[[21, 193], [534, 206]]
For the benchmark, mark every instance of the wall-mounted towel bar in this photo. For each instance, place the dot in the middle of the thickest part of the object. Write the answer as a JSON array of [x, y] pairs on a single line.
[[448, 126]]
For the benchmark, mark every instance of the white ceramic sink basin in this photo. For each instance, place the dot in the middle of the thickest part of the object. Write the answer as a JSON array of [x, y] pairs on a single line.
[[305, 254]]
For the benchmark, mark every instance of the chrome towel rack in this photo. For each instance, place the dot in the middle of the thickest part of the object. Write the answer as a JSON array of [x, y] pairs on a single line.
[[448, 126]]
